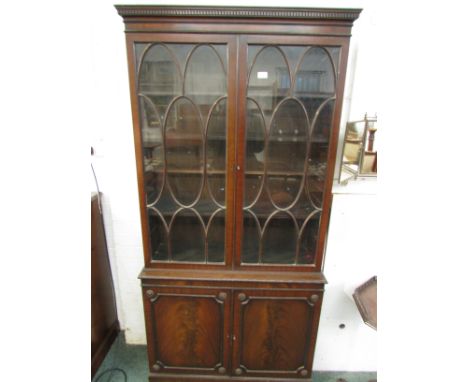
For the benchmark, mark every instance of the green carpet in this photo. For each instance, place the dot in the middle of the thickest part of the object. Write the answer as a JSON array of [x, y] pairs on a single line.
[[133, 361]]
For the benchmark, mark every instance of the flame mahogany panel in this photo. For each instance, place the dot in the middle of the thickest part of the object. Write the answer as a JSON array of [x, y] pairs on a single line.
[[187, 329]]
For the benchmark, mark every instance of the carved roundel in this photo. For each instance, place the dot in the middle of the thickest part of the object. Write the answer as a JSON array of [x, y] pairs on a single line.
[[222, 296], [241, 296], [314, 298]]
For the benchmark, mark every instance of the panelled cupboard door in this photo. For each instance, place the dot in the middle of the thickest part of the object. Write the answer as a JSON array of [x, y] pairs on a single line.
[[274, 332], [184, 107], [188, 330]]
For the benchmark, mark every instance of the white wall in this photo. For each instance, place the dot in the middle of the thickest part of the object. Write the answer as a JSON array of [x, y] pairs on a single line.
[[351, 259], [347, 262]]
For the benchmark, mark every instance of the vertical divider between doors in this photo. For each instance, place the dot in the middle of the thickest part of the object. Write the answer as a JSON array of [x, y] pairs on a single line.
[[234, 331], [229, 366], [231, 151], [242, 70]]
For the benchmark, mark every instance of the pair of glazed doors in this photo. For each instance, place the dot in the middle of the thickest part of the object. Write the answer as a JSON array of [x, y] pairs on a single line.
[[235, 136]]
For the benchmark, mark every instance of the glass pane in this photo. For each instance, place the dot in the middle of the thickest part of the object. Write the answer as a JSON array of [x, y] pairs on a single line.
[[216, 234], [269, 79], [159, 77], [290, 106], [308, 240], [154, 168], [205, 78], [287, 150], [254, 152], [158, 237], [251, 239], [317, 161], [182, 91], [279, 242], [335, 55], [315, 73], [216, 152], [184, 151], [187, 237], [315, 80]]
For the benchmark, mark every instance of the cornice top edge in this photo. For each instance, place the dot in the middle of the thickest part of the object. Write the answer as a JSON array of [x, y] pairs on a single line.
[[238, 12]]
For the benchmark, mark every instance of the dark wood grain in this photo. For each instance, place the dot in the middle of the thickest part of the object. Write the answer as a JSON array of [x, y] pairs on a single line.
[[274, 332], [227, 276], [242, 74], [104, 322], [127, 11], [187, 329], [235, 320]]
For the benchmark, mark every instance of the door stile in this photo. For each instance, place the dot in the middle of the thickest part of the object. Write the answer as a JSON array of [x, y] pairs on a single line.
[[332, 152], [231, 173], [138, 145], [242, 70]]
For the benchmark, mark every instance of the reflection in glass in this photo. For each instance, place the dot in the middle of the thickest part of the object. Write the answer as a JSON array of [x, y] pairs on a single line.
[[183, 119], [269, 79]]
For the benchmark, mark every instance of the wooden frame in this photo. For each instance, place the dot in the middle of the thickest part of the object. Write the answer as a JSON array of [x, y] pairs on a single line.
[[236, 286]]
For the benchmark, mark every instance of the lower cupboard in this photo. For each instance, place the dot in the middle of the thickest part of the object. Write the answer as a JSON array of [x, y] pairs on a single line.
[[197, 333]]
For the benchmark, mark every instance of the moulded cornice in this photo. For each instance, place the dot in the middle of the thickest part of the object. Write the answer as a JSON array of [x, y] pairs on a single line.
[[238, 12]]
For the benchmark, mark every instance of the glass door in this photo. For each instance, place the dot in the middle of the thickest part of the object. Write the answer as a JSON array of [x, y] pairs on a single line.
[[184, 103], [289, 102]]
